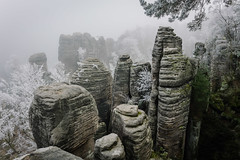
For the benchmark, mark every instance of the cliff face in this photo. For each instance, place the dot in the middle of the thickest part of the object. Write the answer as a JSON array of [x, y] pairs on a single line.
[[94, 77], [65, 116]]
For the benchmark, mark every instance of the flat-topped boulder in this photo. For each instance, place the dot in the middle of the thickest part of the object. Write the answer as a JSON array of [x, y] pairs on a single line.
[[109, 147], [131, 125], [66, 116]]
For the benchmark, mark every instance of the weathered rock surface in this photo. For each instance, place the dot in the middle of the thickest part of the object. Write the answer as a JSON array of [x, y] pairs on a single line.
[[131, 125], [93, 76], [173, 102], [121, 87], [170, 97], [165, 38], [39, 59], [140, 82], [65, 116], [109, 148], [49, 153]]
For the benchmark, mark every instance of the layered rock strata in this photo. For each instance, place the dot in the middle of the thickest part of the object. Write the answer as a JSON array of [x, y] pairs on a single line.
[[165, 38], [65, 116], [109, 147], [173, 102], [140, 82], [49, 153], [121, 87], [131, 125], [93, 76]]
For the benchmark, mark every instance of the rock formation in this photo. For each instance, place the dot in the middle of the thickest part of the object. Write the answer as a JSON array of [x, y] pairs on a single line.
[[68, 53], [39, 59], [109, 148], [93, 76], [165, 38], [140, 82], [65, 116], [49, 153], [121, 88], [170, 96], [131, 125], [219, 63], [78, 46]]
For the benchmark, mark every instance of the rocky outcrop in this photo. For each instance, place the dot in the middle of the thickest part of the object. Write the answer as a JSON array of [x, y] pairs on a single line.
[[78, 46], [165, 38], [65, 116], [93, 76], [170, 97], [68, 53], [49, 153], [131, 125], [140, 83], [39, 59], [202, 55], [121, 88], [109, 148], [173, 102]]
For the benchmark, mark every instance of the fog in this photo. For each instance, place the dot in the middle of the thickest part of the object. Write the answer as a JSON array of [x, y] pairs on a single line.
[[29, 26]]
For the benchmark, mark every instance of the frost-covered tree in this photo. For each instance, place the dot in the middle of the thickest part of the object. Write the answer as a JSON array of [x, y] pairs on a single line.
[[180, 10], [58, 73], [15, 98]]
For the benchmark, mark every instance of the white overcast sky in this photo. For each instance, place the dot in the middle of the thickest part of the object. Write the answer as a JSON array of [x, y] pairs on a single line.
[[31, 26]]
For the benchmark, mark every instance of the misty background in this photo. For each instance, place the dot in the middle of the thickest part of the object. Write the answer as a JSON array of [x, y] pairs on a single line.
[[29, 27]]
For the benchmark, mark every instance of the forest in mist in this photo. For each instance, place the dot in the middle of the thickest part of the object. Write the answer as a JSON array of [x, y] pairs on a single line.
[[177, 60]]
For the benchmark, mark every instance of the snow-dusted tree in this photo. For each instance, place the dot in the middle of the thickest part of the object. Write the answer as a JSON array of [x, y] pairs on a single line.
[[180, 9], [15, 99], [58, 73], [144, 83]]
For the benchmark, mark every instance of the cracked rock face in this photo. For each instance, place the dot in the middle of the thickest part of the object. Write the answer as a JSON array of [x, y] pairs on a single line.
[[65, 116], [94, 77], [121, 88], [109, 147], [131, 125], [50, 153]]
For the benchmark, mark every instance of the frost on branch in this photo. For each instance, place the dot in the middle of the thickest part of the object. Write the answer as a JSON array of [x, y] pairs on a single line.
[[15, 98]]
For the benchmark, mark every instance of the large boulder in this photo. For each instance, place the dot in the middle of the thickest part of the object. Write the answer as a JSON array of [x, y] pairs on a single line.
[[93, 76], [49, 153], [131, 125], [109, 147], [65, 116], [121, 83]]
